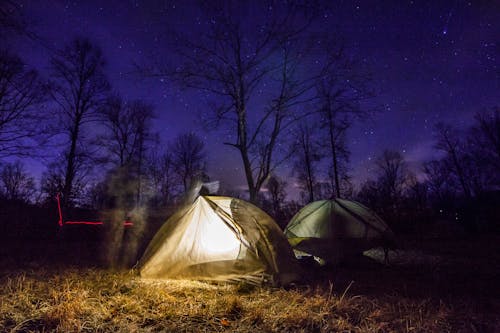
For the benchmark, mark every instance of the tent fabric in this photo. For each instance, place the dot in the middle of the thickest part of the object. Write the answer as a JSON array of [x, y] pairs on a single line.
[[335, 229], [220, 238]]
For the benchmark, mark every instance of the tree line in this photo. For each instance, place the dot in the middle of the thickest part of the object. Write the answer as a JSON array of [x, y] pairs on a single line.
[[285, 89], [461, 186], [77, 116], [262, 78]]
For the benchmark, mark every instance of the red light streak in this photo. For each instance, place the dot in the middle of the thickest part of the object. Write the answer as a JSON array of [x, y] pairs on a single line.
[[84, 222], [61, 223], [59, 208]]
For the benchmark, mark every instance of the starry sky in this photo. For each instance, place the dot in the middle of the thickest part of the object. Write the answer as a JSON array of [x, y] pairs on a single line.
[[431, 61]]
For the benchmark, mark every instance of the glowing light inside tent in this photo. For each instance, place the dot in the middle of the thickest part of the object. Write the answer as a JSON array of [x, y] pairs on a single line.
[[216, 241], [219, 240]]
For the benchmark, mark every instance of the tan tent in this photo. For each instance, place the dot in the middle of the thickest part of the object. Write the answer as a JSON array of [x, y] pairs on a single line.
[[220, 238], [333, 230]]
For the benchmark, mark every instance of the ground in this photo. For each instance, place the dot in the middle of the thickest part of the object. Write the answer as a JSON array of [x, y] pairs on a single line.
[[428, 286]]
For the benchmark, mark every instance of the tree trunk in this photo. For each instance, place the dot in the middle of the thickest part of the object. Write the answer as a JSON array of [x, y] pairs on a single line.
[[70, 166], [310, 184], [336, 171], [252, 190], [331, 124], [307, 153]]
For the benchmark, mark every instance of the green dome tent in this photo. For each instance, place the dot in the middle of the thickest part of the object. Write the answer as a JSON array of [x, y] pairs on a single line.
[[332, 230], [220, 238]]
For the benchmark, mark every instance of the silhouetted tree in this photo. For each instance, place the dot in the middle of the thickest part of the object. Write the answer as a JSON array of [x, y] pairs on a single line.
[[241, 62], [416, 203], [417, 192], [448, 140], [79, 90], [392, 174], [306, 158], [386, 193], [341, 92], [163, 178], [128, 133], [95, 195], [443, 188], [52, 183], [339, 180], [484, 145], [276, 188], [370, 195], [188, 158], [21, 115], [16, 183]]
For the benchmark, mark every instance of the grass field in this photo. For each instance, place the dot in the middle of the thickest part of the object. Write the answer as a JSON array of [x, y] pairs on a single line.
[[428, 287]]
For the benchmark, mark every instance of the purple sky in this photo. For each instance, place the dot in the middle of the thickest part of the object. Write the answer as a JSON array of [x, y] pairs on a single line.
[[431, 61]]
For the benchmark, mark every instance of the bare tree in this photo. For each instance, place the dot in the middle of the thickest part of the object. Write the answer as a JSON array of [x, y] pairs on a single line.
[[79, 90], [120, 137], [16, 183], [386, 193], [392, 174], [440, 181], [143, 115], [273, 200], [163, 178], [417, 192], [239, 63], [95, 195], [307, 155], [448, 140], [127, 135], [484, 144], [52, 182], [276, 188], [370, 195], [336, 147], [21, 115], [391, 184], [341, 92], [188, 158]]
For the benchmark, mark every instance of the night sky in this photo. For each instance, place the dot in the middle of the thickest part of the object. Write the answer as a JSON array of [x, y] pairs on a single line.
[[431, 61]]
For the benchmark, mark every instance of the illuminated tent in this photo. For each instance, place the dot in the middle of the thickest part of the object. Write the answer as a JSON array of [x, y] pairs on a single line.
[[332, 230], [220, 238]]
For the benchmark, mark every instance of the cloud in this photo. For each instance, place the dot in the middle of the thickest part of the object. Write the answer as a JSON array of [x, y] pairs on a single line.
[[420, 152]]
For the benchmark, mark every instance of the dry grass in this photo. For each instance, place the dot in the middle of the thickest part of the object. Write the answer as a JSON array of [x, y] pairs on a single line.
[[357, 298]]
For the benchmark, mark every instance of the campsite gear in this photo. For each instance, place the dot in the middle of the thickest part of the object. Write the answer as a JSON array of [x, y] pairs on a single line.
[[220, 238], [333, 230]]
